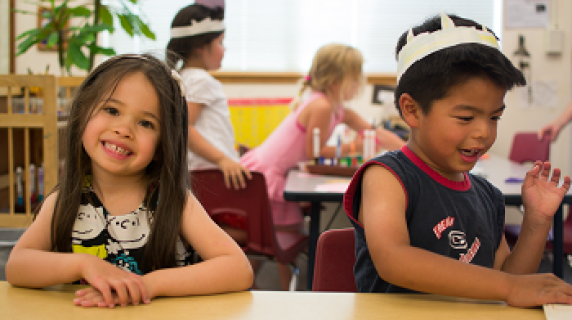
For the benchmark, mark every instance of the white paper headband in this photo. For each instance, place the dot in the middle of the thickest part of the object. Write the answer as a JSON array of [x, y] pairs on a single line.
[[205, 26], [424, 44]]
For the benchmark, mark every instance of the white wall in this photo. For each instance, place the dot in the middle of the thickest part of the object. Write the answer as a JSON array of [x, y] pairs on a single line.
[[516, 118], [544, 68]]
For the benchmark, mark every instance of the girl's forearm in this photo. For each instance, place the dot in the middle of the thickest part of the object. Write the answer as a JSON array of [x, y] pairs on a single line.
[[202, 147], [38, 269], [217, 275]]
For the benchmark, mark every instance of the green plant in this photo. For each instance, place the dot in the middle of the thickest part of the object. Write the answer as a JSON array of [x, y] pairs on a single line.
[[73, 30]]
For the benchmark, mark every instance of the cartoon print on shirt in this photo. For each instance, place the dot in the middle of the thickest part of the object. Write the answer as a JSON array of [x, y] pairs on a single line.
[[457, 239], [89, 224], [127, 263], [130, 231]]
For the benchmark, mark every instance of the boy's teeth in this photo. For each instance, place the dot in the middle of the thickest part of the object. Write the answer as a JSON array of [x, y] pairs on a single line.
[[468, 152]]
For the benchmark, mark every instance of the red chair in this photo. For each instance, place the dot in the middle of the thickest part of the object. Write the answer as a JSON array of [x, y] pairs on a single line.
[[335, 259], [252, 202], [527, 148]]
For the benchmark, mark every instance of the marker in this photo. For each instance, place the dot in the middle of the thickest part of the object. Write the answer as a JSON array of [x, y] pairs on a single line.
[[19, 189], [32, 183], [339, 148], [316, 145], [41, 182]]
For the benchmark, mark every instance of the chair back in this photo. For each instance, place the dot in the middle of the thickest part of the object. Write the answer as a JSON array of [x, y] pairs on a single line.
[[335, 259], [252, 202], [527, 148]]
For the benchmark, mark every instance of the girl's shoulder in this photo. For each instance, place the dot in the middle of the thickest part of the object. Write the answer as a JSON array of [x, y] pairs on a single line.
[[48, 205]]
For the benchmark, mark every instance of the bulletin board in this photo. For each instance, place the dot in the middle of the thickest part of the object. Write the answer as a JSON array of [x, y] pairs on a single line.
[[255, 119]]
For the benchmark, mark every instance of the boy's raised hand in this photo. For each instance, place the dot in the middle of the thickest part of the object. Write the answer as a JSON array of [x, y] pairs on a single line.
[[111, 285], [540, 192]]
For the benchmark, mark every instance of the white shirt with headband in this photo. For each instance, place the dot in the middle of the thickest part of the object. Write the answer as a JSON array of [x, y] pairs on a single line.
[[213, 122]]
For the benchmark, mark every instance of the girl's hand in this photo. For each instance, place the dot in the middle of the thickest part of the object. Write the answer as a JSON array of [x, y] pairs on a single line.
[[234, 173], [541, 193], [91, 297], [113, 285], [538, 289], [552, 130]]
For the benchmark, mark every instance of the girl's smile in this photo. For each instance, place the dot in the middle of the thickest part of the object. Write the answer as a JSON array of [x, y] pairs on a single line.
[[123, 132]]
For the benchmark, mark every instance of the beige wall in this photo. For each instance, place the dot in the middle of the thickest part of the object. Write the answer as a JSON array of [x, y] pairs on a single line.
[[516, 118], [544, 68]]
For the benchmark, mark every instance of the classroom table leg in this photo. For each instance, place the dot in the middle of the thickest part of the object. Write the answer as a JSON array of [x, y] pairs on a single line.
[[557, 245], [313, 242]]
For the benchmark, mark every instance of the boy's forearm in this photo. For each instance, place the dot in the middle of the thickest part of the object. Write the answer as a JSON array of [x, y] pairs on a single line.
[[420, 270], [221, 274], [38, 269], [527, 252]]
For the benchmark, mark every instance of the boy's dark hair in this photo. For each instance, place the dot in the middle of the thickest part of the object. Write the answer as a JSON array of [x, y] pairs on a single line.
[[182, 48], [432, 77], [168, 167]]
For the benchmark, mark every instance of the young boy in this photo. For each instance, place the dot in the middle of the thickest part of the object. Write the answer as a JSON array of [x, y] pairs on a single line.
[[422, 222]]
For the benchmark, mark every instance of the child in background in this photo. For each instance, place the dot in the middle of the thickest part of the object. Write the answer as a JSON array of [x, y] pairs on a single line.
[[122, 219], [422, 221], [335, 77], [197, 34]]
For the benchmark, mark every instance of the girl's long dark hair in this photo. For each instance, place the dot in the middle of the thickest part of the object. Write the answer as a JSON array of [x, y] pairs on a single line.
[[169, 167]]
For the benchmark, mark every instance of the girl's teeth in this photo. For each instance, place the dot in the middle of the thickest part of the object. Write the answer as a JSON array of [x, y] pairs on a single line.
[[116, 148]]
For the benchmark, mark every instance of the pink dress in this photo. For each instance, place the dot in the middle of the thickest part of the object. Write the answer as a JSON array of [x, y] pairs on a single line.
[[280, 152]]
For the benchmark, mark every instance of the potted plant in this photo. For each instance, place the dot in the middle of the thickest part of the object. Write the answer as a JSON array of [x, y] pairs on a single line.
[[73, 30]]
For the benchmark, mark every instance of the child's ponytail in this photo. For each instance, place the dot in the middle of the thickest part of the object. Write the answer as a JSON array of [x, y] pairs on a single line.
[[305, 83]]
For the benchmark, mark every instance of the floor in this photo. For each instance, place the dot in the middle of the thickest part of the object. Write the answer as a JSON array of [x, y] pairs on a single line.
[[267, 275]]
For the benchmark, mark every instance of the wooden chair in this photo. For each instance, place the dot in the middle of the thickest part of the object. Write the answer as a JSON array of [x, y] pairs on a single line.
[[253, 203], [335, 259], [28, 135]]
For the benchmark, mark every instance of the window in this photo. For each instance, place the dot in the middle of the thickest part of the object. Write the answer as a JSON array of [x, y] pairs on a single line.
[[283, 35]]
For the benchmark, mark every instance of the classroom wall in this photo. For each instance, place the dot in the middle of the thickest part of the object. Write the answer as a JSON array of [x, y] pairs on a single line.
[[553, 69], [34, 59]]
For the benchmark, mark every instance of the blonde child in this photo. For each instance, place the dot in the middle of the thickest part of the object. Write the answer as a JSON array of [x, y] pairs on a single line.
[[335, 77], [422, 221], [197, 34], [122, 219]]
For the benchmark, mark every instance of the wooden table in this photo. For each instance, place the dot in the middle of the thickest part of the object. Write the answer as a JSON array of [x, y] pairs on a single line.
[[301, 186], [56, 303]]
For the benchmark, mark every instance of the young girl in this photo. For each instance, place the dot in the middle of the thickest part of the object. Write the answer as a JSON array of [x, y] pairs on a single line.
[[334, 78], [422, 221], [122, 219], [197, 34]]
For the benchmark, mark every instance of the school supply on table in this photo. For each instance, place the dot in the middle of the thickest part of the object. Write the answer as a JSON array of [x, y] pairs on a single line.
[[557, 311]]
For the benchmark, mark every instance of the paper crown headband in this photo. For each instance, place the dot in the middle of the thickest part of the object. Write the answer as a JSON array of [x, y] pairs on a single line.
[[204, 26], [424, 44]]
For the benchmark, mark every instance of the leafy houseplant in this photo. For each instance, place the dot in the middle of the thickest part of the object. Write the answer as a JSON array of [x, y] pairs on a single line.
[[73, 29]]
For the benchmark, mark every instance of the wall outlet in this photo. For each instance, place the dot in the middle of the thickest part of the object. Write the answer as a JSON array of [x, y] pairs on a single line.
[[554, 41]]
